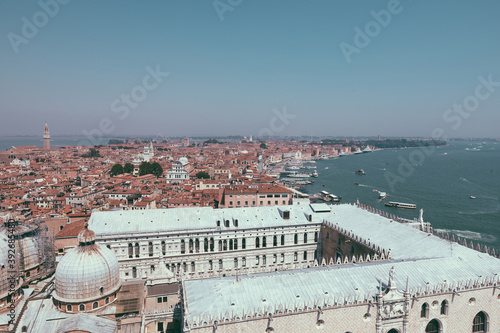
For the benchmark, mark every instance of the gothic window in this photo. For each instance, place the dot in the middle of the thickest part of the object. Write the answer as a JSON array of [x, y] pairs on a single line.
[[424, 313], [432, 327], [130, 250], [150, 249], [257, 242], [444, 307], [479, 323], [264, 239], [282, 239], [275, 240], [137, 252]]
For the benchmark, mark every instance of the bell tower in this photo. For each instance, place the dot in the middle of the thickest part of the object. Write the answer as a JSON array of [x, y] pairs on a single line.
[[46, 138]]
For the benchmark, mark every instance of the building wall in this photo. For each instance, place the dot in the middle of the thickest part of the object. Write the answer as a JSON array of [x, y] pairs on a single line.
[[335, 245], [177, 261]]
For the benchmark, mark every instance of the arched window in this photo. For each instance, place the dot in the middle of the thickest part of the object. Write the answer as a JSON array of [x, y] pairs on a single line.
[[264, 241], [137, 251], [150, 249], [295, 239], [225, 244], [230, 244], [183, 246], [282, 239], [197, 245], [107, 300], [95, 305], [305, 237], [69, 307], [275, 240], [212, 245], [101, 290], [210, 265], [393, 331], [220, 264], [220, 245], [82, 307], [316, 237], [130, 250], [433, 327], [243, 243], [479, 324], [205, 245], [163, 247], [305, 255], [236, 244], [444, 307], [257, 242], [424, 313], [190, 246]]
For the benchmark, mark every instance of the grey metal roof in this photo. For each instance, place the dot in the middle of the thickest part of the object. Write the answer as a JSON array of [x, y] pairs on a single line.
[[190, 218], [87, 323], [427, 261]]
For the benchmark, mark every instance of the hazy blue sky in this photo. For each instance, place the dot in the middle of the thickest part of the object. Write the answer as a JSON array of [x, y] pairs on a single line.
[[227, 75]]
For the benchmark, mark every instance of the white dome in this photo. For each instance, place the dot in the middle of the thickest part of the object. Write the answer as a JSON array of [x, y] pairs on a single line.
[[87, 272]]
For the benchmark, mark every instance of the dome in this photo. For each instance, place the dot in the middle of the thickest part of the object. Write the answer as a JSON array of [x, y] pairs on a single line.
[[87, 272]]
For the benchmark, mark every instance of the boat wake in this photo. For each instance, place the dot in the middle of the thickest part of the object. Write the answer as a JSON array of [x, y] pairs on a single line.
[[471, 235], [480, 212]]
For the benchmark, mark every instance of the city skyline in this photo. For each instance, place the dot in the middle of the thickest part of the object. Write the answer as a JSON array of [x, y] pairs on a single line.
[[395, 68]]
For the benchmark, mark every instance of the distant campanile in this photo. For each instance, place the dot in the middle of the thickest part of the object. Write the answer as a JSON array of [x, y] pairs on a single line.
[[46, 138]]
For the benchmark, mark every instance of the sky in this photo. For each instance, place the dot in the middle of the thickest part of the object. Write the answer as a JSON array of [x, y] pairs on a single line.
[[250, 67]]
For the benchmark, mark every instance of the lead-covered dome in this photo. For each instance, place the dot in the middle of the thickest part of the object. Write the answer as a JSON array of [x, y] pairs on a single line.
[[87, 272]]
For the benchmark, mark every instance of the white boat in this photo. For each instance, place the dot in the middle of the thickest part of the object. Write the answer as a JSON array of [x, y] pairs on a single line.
[[314, 174], [382, 195], [334, 198], [473, 197], [299, 175], [400, 205], [357, 152]]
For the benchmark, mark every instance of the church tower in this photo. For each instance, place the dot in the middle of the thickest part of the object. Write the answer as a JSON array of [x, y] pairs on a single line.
[[46, 138]]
